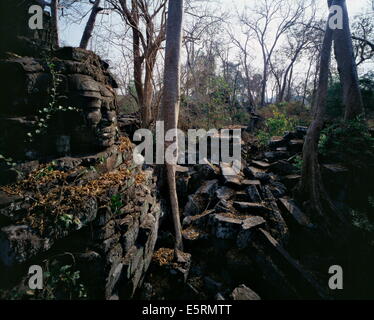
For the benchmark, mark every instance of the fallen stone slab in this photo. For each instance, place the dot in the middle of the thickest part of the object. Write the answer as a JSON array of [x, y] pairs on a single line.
[[251, 182], [296, 145], [224, 193], [261, 164], [224, 227], [280, 154], [278, 189], [254, 195], [303, 280], [276, 223], [199, 220], [250, 207], [230, 175], [198, 202], [276, 142], [247, 230], [241, 196], [244, 293], [291, 180], [298, 216]]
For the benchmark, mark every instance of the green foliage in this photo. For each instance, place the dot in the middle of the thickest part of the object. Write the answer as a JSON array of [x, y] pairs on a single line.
[[212, 105], [65, 281], [44, 172], [298, 162], [348, 142], [335, 107], [116, 203], [276, 125]]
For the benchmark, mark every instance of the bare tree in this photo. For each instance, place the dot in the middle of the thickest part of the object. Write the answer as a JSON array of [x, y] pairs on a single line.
[[245, 57], [269, 22], [147, 22], [87, 34], [362, 35], [171, 99]]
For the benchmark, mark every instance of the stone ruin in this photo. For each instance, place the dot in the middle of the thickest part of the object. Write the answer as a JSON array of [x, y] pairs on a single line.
[[85, 85], [40, 74], [73, 186]]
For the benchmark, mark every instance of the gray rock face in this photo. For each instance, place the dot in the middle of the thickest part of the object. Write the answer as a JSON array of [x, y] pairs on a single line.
[[225, 227], [198, 202], [85, 84], [247, 231], [244, 293], [20, 243]]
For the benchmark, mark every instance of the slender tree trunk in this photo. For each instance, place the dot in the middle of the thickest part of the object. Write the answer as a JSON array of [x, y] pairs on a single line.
[[54, 15], [306, 83], [171, 99], [87, 34], [289, 93], [311, 183], [264, 84], [352, 98]]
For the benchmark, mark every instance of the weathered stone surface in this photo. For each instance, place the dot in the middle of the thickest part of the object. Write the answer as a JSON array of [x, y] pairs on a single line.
[[224, 193], [247, 231], [20, 243], [302, 278], [198, 202], [278, 189], [230, 175], [251, 182], [290, 207], [275, 221], [253, 193], [225, 227], [276, 142], [277, 155], [250, 207], [256, 174], [244, 293], [261, 164]]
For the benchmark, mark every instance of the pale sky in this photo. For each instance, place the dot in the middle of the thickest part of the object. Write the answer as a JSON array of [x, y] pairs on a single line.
[[72, 33]]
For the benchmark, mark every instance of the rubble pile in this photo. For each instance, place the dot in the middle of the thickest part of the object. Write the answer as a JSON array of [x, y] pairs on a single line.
[[238, 228]]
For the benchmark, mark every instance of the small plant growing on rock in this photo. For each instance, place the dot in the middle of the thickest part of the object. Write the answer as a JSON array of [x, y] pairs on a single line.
[[116, 203], [46, 113], [63, 283], [298, 162]]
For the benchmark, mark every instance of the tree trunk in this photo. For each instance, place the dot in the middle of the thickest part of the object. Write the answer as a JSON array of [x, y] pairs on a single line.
[[87, 34], [352, 98], [306, 83], [171, 99], [311, 183], [54, 15]]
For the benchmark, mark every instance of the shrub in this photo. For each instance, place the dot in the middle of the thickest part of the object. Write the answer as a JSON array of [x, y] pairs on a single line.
[[349, 143], [276, 125]]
